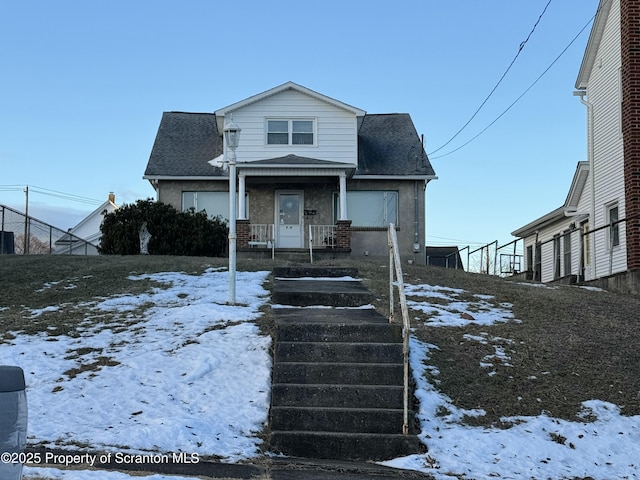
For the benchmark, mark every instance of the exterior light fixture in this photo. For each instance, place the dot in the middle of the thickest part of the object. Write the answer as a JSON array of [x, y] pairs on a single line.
[[232, 139]]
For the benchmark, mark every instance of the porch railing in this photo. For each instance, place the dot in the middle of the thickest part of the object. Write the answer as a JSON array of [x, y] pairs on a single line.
[[262, 235], [321, 237], [395, 267]]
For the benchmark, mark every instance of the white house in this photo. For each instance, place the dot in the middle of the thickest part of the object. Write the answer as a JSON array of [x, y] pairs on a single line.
[[84, 238], [595, 235], [308, 165]]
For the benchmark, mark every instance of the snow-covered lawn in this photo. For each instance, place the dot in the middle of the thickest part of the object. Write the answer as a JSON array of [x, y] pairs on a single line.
[[188, 374], [534, 447], [184, 372]]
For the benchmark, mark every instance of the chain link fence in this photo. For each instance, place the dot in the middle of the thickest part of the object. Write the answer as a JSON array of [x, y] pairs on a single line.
[[23, 235]]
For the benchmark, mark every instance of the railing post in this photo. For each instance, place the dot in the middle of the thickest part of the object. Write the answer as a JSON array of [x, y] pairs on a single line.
[[391, 306], [394, 260], [310, 244]]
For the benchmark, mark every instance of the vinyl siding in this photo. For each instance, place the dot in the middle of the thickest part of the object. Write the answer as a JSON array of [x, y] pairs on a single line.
[[603, 91], [336, 129]]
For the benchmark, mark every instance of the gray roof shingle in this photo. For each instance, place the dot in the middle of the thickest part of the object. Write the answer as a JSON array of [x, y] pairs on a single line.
[[387, 145], [184, 144]]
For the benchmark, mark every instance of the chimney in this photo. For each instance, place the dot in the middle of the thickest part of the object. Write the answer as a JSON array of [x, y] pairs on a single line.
[[112, 197]]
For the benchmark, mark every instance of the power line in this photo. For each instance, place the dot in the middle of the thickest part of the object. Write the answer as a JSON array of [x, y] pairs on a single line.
[[520, 48], [53, 193], [521, 95]]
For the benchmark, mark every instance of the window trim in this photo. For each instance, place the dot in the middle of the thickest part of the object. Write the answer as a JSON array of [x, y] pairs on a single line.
[[290, 132], [385, 212], [613, 232]]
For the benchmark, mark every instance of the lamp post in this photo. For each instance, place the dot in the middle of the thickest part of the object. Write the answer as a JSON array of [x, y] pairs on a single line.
[[232, 136]]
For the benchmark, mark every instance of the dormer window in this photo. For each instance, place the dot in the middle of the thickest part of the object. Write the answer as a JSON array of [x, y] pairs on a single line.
[[290, 132]]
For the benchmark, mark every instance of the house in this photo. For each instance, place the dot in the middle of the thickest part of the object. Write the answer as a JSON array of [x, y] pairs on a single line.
[[84, 238], [595, 235], [309, 167]]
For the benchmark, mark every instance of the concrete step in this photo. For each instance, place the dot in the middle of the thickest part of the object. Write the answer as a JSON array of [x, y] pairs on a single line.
[[345, 396], [338, 373], [349, 420], [346, 446], [334, 325], [334, 293], [314, 271], [343, 352], [329, 315]]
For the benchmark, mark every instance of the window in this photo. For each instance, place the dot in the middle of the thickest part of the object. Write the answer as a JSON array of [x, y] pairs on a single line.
[[614, 226], [290, 132], [567, 252], [586, 243], [213, 203], [370, 208], [556, 256]]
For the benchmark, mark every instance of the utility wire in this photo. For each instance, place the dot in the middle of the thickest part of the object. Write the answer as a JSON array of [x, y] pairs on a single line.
[[520, 48], [66, 196], [54, 193], [521, 95]]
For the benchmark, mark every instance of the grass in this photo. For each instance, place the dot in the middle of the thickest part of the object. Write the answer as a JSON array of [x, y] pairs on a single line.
[[571, 344]]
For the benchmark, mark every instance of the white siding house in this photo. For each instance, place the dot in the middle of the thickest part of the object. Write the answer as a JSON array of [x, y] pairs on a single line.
[[311, 170], [597, 219], [88, 229]]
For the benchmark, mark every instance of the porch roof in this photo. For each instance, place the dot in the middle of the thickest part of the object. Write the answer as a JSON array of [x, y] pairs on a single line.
[[293, 165]]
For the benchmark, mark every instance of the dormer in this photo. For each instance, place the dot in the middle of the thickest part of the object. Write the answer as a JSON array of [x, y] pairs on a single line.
[[293, 120]]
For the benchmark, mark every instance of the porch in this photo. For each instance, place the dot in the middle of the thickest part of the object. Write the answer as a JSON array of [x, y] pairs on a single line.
[[264, 239]]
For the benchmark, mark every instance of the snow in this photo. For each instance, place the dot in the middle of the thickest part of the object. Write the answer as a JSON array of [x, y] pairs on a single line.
[[533, 447], [188, 373]]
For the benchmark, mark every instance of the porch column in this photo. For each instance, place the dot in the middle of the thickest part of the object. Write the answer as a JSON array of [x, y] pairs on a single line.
[[241, 197], [343, 196]]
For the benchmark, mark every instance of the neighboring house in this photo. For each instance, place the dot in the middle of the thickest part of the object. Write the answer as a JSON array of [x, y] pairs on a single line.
[[305, 163], [595, 235], [84, 238]]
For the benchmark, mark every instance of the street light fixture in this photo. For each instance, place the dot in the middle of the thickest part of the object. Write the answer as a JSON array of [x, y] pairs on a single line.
[[232, 138]]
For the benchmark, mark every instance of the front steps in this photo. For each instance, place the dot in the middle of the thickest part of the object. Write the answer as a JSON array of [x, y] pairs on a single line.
[[337, 388]]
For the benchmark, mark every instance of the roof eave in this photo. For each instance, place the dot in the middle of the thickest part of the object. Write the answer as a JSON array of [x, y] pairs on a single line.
[[361, 176], [153, 178], [593, 44], [281, 88], [546, 220]]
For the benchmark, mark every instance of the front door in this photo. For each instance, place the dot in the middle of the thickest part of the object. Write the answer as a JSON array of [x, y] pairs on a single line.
[[289, 219]]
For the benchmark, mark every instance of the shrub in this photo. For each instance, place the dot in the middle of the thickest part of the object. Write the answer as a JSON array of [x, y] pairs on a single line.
[[172, 232]]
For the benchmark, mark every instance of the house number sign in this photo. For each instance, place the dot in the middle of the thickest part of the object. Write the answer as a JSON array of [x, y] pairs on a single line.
[[310, 212]]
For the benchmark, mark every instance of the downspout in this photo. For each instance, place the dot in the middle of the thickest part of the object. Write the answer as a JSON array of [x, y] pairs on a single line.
[[592, 175], [416, 220]]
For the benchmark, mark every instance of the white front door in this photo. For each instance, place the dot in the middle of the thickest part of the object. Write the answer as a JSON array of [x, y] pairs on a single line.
[[289, 219]]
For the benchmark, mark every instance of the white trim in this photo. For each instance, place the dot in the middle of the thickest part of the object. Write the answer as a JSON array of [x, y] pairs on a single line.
[[593, 44], [394, 177], [292, 171], [179, 178], [290, 120], [288, 86]]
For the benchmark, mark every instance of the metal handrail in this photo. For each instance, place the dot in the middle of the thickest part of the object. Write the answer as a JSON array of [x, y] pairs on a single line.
[[395, 266]]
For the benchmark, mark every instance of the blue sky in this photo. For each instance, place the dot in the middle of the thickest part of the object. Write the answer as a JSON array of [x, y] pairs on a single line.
[[84, 85]]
